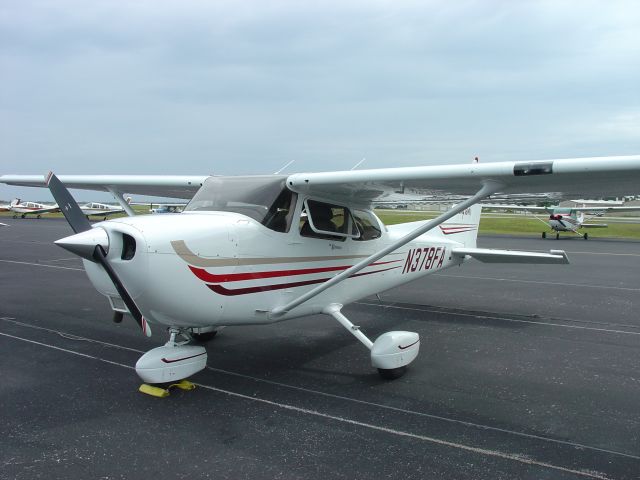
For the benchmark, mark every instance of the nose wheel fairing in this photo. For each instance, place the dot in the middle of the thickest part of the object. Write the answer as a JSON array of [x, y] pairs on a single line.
[[173, 361], [169, 364]]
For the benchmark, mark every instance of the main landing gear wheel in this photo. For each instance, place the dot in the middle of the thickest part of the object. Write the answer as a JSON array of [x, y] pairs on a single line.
[[23, 215], [38, 216], [586, 236], [204, 337], [392, 373], [544, 234], [557, 236], [390, 353]]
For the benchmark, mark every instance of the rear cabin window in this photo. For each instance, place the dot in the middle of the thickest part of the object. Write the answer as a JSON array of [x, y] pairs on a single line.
[[329, 219]]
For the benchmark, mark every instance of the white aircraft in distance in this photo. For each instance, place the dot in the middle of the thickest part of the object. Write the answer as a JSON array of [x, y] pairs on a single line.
[[100, 209], [31, 208], [567, 219], [262, 249], [167, 208]]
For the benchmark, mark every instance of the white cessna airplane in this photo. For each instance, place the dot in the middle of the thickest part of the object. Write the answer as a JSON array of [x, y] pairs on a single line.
[[30, 208], [264, 249], [567, 219]]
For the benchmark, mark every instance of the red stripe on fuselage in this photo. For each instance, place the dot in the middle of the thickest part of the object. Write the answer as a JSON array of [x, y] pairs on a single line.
[[205, 276], [266, 288]]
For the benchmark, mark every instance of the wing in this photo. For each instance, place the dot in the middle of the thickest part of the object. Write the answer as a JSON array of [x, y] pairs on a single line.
[[526, 208], [602, 176], [172, 186], [606, 209]]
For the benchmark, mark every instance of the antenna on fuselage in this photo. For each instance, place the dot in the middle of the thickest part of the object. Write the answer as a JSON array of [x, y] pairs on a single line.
[[279, 171], [358, 164]]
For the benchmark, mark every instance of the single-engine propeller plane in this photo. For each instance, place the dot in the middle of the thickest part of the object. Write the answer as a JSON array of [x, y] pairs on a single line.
[[567, 219], [100, 209], [264, 249], [23, 209]]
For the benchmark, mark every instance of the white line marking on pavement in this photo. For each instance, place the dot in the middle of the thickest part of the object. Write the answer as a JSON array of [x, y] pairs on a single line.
[[471, 277], [43, 265], [488, 317], [436, 441], [341, 397]]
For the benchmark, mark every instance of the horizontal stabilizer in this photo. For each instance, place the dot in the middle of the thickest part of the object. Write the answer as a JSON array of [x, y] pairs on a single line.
[[488, 255]]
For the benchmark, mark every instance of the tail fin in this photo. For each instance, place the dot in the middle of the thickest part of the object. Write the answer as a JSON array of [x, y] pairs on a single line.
[[15, 201], [463, 227]]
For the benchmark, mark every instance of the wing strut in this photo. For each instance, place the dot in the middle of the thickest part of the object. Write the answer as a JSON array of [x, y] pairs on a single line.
[[123, 203], [489, 187]]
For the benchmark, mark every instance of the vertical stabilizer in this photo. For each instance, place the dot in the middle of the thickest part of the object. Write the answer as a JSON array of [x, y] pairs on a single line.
[[463, 227]]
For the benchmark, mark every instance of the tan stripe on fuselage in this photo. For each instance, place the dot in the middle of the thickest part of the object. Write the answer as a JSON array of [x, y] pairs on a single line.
[[192, 259]]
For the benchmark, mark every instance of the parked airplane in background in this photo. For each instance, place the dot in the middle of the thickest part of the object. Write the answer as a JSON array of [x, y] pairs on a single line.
[[167, 208], [263, 249], [31, 208], [567, 219], [100, 209]]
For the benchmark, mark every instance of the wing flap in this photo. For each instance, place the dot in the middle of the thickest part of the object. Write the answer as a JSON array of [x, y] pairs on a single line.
[[487, 255]]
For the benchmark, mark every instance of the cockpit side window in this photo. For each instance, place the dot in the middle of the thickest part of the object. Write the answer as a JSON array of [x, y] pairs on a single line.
[[367, 225]]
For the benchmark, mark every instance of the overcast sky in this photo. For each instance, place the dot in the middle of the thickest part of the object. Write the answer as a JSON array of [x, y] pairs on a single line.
[[243, 87]]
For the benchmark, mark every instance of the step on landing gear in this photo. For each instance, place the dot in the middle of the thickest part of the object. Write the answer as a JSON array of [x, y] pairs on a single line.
[[390, 353], [170, 364]]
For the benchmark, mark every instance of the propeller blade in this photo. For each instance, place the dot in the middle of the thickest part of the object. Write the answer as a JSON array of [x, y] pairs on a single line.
[[101, 257], [67, 204], [79, 223]]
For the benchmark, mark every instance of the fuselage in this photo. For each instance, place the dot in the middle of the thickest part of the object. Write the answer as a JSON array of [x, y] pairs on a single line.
[[221, 268], [100, 209], [32, 207], [564, 220]]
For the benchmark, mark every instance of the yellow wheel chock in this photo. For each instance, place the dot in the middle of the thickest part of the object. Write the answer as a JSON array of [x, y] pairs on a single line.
[[164, 392]]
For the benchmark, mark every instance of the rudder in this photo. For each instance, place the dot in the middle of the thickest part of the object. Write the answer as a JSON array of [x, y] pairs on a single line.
[[464, 226]]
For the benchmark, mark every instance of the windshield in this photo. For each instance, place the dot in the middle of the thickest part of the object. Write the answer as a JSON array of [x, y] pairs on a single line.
[[259, 197]]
